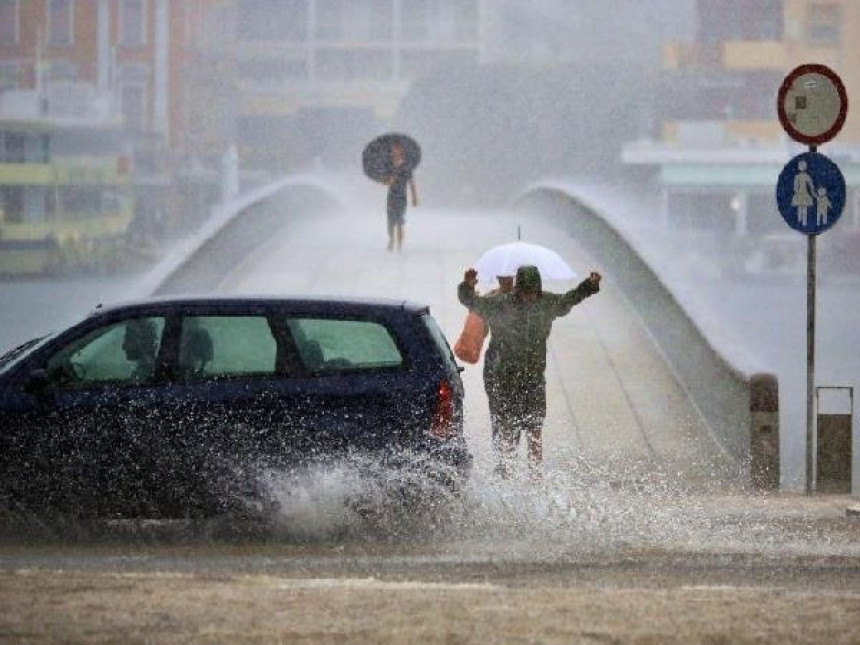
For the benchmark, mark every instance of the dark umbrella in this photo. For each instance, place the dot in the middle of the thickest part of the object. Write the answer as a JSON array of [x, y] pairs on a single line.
[[376, 158]]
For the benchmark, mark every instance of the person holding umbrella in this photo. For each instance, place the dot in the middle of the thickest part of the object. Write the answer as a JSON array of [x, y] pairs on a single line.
[[520, 324], [401, 175], [391, 159]]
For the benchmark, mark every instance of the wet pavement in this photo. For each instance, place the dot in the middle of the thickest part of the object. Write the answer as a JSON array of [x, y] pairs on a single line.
[[511, 563]]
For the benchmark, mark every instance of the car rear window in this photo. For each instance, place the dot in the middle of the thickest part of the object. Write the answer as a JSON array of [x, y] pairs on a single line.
[[333, 345]]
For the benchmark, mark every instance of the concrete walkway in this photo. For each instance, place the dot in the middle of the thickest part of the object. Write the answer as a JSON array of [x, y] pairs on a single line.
[[611, 397]]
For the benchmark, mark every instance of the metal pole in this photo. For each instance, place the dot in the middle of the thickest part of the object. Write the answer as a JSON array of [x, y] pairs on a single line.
[[810, 365]]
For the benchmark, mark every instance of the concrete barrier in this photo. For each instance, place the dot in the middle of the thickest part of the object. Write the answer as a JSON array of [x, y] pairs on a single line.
[[236, 229], [738, 406]]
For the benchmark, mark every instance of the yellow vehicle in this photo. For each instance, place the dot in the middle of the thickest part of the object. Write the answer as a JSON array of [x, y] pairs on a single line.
[[65, 196]]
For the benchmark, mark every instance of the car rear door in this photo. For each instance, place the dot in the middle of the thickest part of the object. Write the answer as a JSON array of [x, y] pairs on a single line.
[[356, 387]]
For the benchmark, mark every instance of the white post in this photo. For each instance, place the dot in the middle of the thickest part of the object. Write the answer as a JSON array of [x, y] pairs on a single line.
[[311, 42], [162, 81], [229, 174], [104, 48], [396, 36]]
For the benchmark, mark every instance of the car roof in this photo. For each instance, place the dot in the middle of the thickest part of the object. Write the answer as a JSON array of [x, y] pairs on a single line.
[[340, 303]]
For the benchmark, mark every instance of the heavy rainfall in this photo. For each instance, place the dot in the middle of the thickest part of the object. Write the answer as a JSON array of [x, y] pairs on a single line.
[[153, 151]]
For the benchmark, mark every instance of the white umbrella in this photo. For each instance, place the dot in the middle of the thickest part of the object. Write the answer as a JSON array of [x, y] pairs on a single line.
[[505, 259]]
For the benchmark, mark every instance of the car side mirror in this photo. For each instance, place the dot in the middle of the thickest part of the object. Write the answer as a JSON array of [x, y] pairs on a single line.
[[37, 382]]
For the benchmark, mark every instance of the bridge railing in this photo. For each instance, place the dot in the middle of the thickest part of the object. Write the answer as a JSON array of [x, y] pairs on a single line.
[[738, 403], [234, 230]]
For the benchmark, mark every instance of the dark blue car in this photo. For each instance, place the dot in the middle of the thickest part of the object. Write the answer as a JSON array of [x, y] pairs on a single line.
[[174, 407]]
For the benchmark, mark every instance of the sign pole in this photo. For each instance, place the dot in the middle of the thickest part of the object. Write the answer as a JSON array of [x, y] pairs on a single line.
[[810, 365], [812, 105]]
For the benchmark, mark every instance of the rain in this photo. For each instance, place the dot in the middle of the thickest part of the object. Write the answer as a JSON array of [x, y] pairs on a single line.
[[219, 148]]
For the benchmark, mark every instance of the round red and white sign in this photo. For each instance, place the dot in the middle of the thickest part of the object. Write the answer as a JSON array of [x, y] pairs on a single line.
[[812, 104]]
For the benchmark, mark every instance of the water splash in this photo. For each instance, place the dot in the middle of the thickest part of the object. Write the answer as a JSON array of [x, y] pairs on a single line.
[[588, 511]]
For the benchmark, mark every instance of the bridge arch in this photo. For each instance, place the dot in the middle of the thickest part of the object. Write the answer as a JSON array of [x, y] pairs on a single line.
[[738, 403]]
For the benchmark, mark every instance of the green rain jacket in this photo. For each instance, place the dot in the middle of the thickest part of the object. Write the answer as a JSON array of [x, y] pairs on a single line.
[[520, 329]]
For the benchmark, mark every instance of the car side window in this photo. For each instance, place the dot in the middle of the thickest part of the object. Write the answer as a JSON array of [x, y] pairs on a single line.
[[333, 345], [123, 353], [212, 347]]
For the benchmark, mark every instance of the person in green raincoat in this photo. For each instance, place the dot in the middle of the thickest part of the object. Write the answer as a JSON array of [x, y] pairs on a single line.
[[520, 324]]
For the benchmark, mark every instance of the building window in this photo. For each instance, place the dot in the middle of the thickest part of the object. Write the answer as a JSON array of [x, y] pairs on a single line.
[[133, 97], [132, 20], [415, 21], [369, 21], [10, 12], [12, 203], [133, 83], [61, 22], [10, 76], [731, 20], [354, 65], [823, 24], [273, 71], [61, 72], [269, 20]]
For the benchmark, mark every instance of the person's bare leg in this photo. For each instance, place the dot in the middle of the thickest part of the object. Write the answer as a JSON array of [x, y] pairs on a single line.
[[390, 237], [399, 236], [505, 449], [534, 441]]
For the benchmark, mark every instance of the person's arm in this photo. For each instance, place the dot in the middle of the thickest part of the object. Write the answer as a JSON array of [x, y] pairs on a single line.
[[483, 306], [583, 290], [413, 190]]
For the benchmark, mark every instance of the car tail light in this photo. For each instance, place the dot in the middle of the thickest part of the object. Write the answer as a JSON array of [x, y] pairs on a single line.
[[443, 417]]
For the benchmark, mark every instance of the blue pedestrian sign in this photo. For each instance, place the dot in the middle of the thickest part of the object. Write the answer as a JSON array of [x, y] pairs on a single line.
[[810, 193]]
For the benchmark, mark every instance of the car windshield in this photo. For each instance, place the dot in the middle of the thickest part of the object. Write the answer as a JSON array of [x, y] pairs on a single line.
[[11, 357]]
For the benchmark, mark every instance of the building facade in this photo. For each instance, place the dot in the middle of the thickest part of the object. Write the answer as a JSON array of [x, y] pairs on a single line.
[[315, 76], [124, 71], [721, 147]]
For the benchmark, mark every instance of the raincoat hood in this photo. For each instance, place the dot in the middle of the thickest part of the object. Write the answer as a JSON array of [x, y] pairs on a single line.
[[528, 279]]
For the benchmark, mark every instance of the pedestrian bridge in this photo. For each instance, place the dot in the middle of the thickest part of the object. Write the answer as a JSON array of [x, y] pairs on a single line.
[[630, 379]]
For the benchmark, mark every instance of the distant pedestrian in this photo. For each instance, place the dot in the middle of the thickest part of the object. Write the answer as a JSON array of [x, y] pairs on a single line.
[[520, 324], [401, 176]]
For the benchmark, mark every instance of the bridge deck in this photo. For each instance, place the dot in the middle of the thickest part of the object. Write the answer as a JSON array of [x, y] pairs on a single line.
[[610, 395]]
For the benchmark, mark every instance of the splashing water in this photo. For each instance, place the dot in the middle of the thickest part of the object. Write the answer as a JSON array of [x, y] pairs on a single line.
[[584, 511]]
